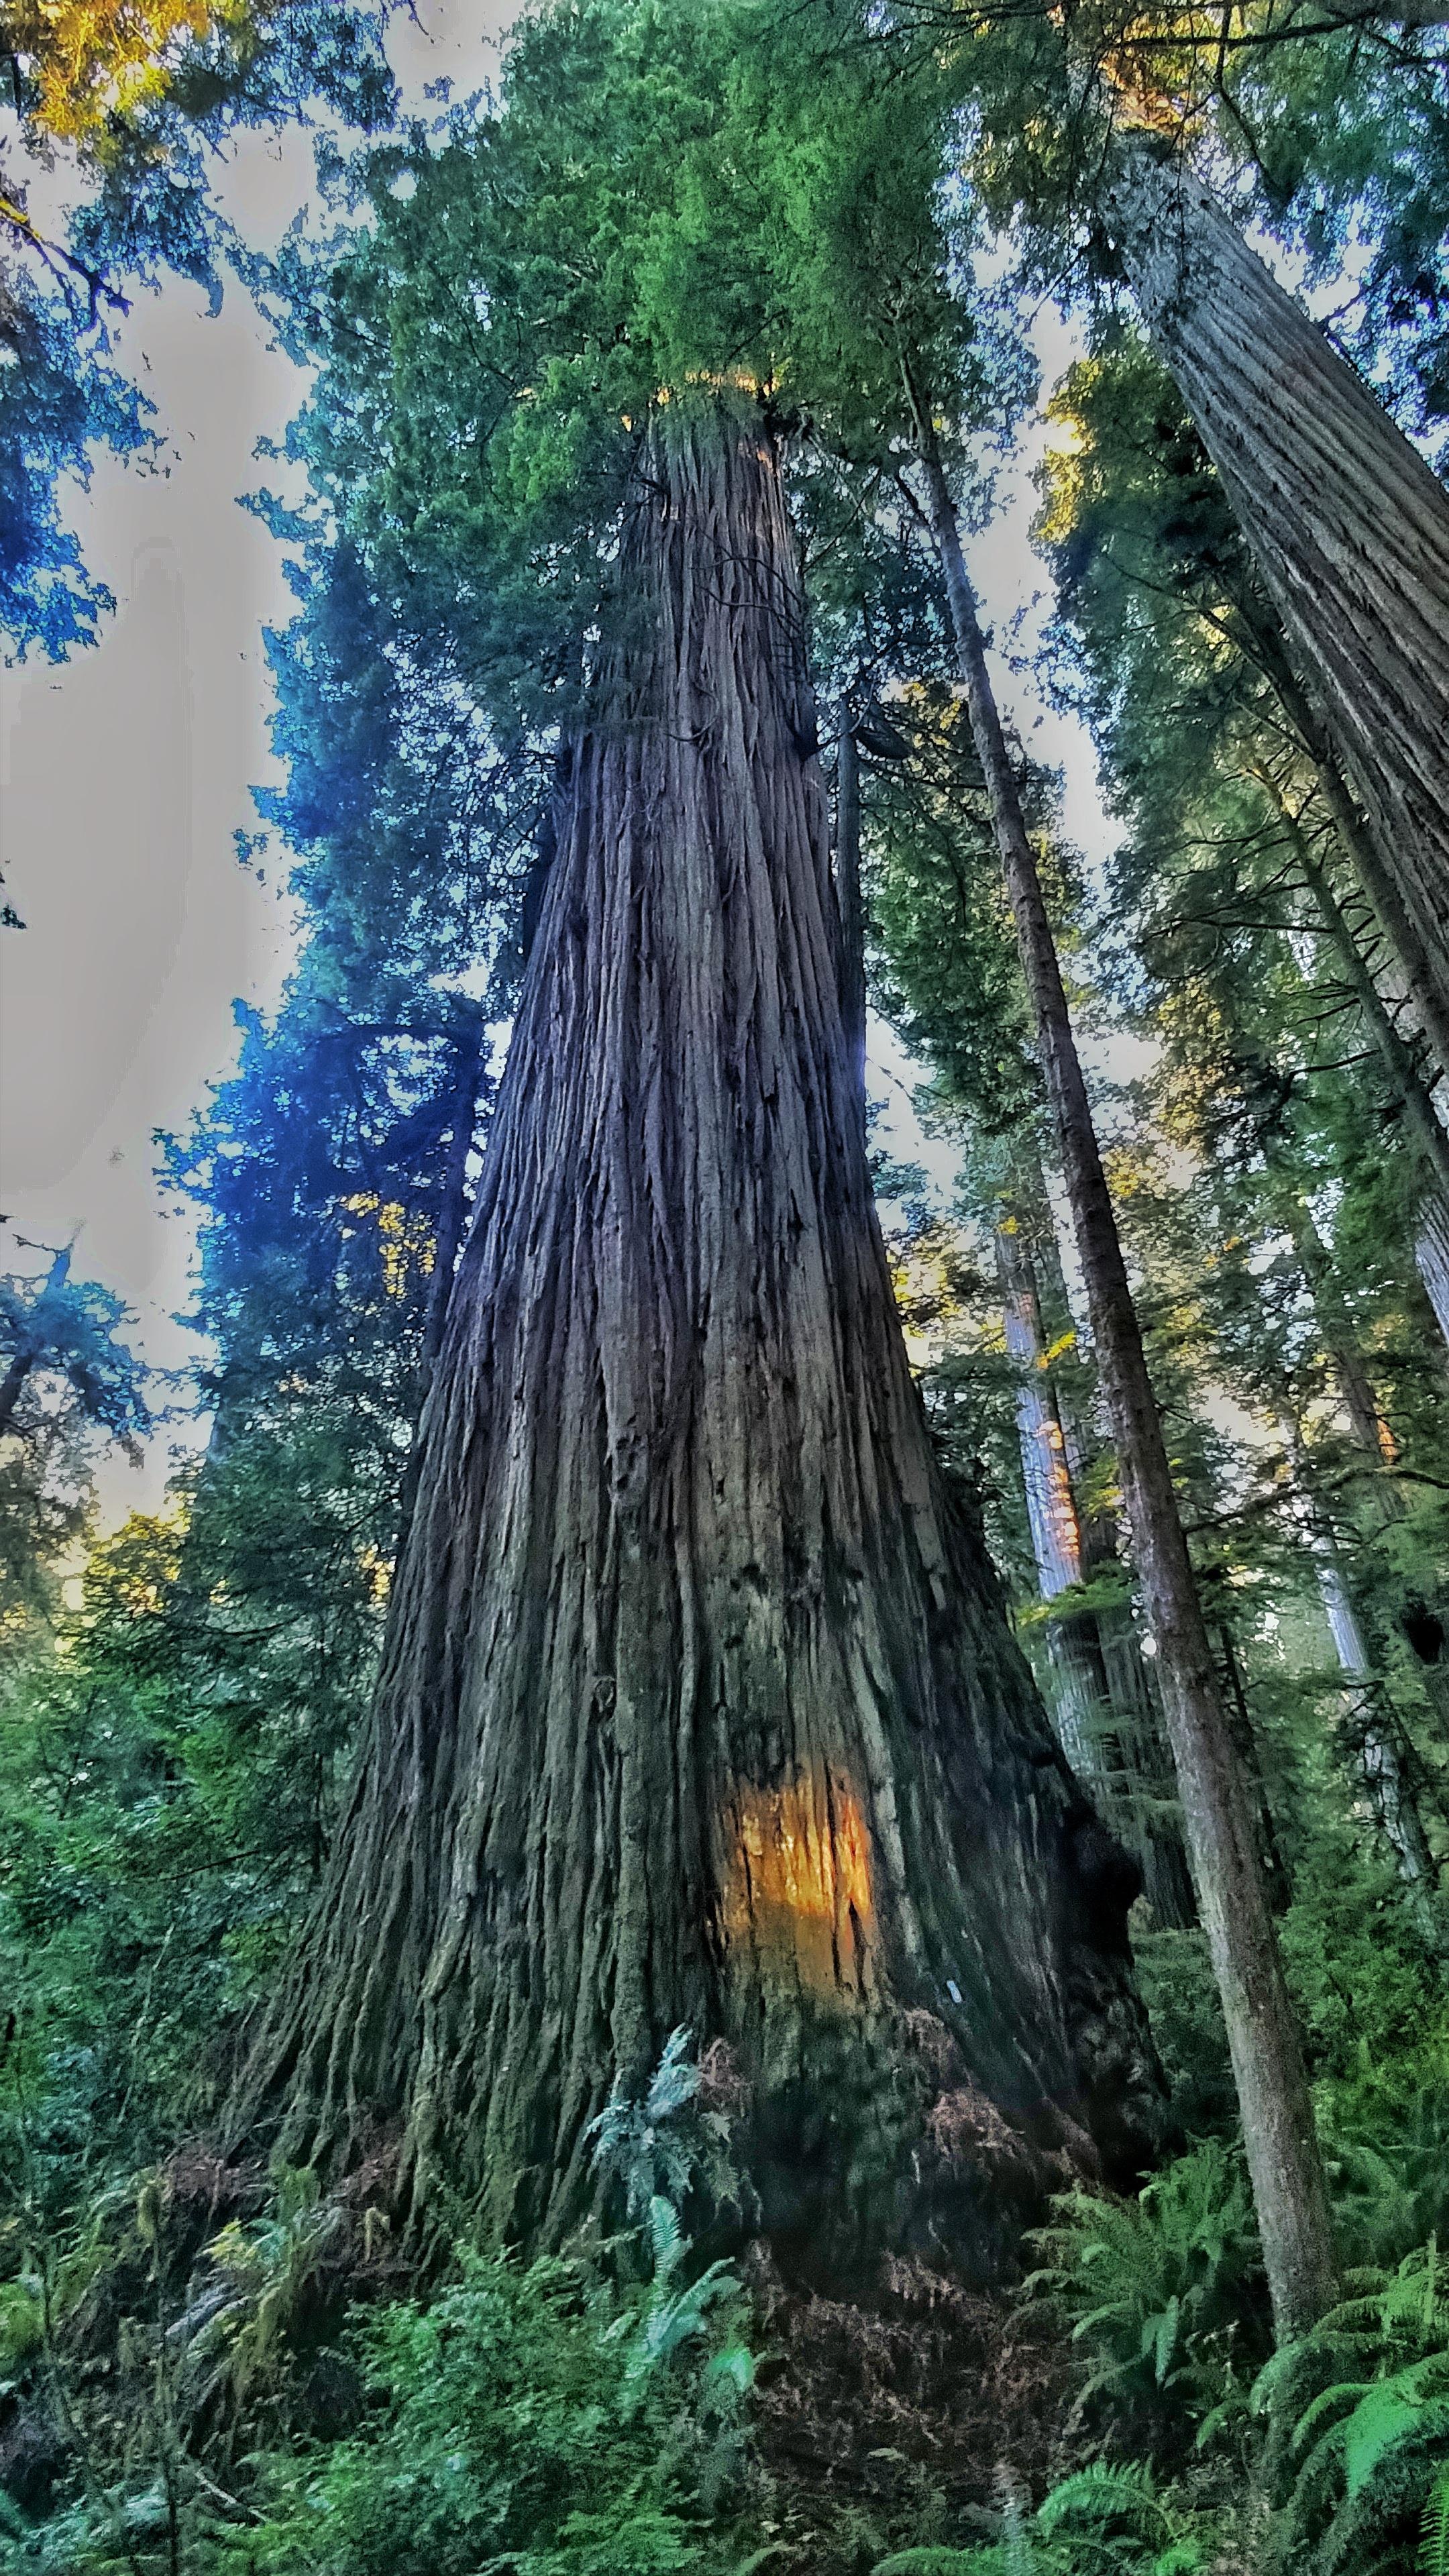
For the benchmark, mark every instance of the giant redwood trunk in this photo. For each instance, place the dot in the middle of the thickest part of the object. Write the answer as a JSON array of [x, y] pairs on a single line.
[[1348, 526], [697, 1703]]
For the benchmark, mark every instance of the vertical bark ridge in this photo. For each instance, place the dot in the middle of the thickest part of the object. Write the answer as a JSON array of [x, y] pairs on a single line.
[[697, 1702], [1348, 525]]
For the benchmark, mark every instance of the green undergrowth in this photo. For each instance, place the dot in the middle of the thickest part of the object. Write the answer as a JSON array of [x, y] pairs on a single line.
[[271, 2395]]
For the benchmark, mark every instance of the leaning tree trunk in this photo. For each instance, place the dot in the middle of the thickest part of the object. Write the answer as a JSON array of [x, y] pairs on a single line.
[[1289, 2191], [1348, 526], [698, 1705]]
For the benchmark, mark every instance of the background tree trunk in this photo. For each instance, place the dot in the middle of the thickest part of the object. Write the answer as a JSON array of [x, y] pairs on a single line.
[[1106, 1713], [1289, 2191], [698, 1704], [1349, 527], [1371, 1739]]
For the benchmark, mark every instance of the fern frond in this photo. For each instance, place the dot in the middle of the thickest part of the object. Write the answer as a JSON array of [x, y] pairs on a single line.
[[1434, 2534], [1103, 2494], [933, 2562]]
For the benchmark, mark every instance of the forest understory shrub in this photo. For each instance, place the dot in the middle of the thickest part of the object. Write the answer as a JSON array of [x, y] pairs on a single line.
[[238, 2381]]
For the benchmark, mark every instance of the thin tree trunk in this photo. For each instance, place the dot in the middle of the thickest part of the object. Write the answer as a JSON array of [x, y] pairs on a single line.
[[1126, 1680], [1109, 1726], [1348, 526], [1282, 2148], [1051, 1502], [1051, 1510], [698, 1704], [1370, 1734]]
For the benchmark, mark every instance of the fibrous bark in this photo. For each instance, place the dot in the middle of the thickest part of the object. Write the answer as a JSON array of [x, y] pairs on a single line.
[[850, 902], [697, 1704], [1348, 526]]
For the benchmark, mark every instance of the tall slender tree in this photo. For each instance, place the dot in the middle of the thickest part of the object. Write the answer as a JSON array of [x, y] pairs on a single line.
[[1288, 2184]]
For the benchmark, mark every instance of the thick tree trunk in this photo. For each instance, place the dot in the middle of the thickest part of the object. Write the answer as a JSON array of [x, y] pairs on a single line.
[[698, 1705], [1283, 2160], [850, 901], [1426, 1138], [1348, 526]]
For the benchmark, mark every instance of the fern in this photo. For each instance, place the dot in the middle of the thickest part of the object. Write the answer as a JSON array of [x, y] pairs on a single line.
[[1094, 2494], [272, 2270], [1159, 2289], [1434, 2534], [942, 2562], [664, 2147], [1369, 2446]]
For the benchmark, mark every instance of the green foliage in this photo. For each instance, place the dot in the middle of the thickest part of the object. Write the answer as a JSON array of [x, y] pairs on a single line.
[[270, 2270], [1180, 1992], [1361, 2409], [526, 2415], [671, 191], [149, 94], [659, 2147], [1101, 2521], [68, 1385], [1164, 2291]]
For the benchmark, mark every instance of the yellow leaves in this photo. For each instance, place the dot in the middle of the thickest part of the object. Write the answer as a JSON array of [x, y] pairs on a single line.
[[91, 59], [376, 1573], [130, 1574], [405, 1242], [1063, 475]]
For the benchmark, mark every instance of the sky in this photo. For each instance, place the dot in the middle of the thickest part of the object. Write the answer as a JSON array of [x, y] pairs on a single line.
[[126, 773]]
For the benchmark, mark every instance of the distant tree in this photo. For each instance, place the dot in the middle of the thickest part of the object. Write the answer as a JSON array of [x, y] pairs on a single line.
[[68, 1385]]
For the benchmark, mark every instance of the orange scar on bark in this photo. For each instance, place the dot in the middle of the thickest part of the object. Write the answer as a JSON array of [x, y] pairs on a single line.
[[799, 1879]]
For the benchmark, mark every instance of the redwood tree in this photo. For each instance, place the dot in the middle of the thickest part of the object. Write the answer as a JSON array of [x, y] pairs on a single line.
[[1348, 526], [698, 1705]]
